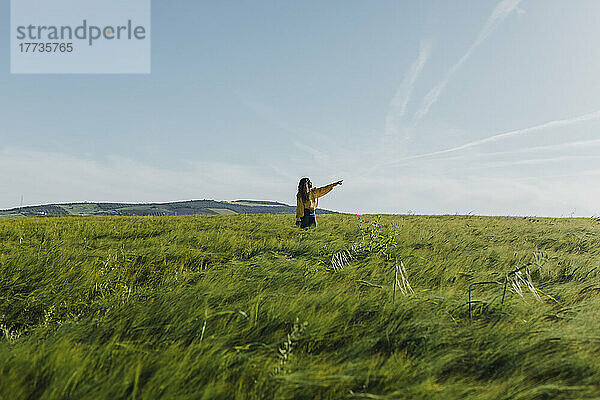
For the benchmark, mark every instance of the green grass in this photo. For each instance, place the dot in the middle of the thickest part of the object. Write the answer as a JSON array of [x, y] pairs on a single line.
[[248, 306], [81, 209], [222, 211], [5, 214], [140, 207]]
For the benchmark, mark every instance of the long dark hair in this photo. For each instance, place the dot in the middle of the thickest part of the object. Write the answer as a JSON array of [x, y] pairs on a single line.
[[304, 188]]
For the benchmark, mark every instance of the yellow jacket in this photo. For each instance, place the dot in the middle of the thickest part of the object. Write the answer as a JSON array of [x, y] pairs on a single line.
[[313, 200]]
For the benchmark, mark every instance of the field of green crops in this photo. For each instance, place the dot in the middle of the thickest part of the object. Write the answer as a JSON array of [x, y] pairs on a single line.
[[249, 306]]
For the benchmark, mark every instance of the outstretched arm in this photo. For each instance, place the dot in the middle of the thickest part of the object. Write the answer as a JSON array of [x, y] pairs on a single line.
[[322, 191]]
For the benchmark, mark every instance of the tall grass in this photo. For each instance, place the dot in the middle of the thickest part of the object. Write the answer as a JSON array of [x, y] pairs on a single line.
[[248, 306]]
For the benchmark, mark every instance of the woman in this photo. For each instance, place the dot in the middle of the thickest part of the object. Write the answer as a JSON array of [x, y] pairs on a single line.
[[308, 200]]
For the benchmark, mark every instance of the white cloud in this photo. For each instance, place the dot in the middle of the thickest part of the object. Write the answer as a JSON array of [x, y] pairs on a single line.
[[319, 156], [521, 162], [502, 10], [548, 148], [43, 177], [593, 116], [581, 144]]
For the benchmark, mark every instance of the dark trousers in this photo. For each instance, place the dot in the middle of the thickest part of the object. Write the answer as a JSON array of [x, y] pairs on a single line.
[[309, 219]]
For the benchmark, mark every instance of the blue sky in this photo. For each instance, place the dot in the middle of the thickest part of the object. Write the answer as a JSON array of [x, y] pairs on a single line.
[[488, 107]]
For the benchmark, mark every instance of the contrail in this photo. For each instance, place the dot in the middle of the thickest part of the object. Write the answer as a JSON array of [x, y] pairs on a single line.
[[551, 147], [502, 10], [518, 132], [532, 149], [404, 93]]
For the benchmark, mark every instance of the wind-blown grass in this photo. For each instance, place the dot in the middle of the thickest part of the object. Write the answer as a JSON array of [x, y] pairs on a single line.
[[248, 306]]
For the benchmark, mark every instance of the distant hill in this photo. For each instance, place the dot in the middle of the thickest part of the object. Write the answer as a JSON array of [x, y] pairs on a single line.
[[192, 207]]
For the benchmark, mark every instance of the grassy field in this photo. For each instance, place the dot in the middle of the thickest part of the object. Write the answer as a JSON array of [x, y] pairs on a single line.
[[248, 306]]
